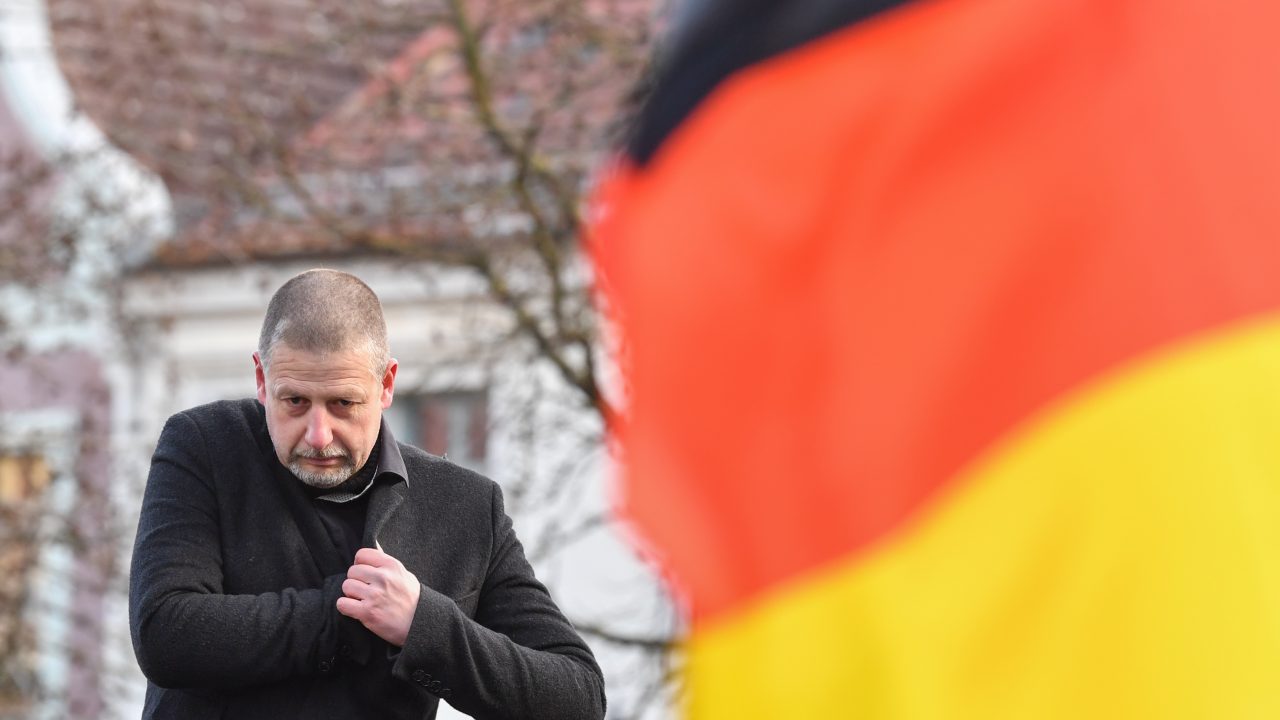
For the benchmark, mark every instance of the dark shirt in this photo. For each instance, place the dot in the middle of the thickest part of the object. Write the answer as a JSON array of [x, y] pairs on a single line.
[[342, 509]]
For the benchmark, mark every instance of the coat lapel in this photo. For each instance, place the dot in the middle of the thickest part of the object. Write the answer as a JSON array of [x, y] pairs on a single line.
[[384, 500]]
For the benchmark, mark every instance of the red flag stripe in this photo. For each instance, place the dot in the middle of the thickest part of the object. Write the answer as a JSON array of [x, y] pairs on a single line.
[[923, 229]]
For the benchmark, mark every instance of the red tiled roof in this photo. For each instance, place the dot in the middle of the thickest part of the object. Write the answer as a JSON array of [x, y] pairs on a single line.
[[236, 104]]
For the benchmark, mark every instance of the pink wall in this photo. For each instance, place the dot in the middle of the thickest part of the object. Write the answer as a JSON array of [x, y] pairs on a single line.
[[72, 380]]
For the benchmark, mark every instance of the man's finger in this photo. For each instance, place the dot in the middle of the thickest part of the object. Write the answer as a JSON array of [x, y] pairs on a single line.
[[356, 589], [373, 556], [363, 573], [351, 608]]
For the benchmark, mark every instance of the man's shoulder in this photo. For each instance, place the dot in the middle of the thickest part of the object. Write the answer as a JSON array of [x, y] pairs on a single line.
[[225, 423], [439, 474], [220, 441], [222, 413]]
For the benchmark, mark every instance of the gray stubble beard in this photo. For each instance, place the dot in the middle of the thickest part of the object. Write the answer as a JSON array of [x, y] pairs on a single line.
[[321, 480]]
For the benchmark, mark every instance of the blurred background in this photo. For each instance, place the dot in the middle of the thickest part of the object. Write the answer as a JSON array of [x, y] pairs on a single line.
[[166, 164]]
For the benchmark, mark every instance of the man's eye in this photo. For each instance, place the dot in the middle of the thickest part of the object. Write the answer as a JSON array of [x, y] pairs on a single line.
[[346, 403], [294, 401]]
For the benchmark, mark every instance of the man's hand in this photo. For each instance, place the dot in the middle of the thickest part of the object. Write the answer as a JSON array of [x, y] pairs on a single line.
[[381, 594]]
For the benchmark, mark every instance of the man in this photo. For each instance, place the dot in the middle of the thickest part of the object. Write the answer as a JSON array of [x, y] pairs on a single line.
[[294, 560]]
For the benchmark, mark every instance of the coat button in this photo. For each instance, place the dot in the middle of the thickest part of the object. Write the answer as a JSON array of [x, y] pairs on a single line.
[[345, 650], [325, 666], [420, 676]]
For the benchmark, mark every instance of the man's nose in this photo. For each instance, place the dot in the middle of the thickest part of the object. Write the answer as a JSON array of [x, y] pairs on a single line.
[[319, 429]]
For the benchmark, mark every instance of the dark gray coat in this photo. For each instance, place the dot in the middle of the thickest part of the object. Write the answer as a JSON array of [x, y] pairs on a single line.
[[234, 583]]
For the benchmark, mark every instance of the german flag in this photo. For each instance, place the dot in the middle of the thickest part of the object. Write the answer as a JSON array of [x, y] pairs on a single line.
[[953, 340]]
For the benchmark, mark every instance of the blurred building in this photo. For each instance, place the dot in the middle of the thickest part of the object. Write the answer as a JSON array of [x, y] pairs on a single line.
[[194, 155]]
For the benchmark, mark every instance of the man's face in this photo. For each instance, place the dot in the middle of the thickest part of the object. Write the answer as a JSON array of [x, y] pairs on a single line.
[[323, 411]]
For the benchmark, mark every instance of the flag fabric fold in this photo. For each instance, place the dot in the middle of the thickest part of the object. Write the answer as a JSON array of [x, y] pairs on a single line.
[[953, 335]]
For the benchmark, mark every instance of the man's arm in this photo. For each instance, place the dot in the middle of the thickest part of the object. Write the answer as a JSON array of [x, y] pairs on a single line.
[[520, 658], [186, 632]]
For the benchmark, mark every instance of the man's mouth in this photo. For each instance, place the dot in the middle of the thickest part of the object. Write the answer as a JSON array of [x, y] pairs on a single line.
[[328, 458], [325, 461]]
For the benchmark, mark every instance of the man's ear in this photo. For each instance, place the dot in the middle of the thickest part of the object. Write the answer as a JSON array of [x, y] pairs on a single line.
[[389, 383], [261, 377]]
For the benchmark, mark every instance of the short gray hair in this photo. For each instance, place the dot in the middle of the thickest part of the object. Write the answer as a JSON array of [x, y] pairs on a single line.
[[323, 311]]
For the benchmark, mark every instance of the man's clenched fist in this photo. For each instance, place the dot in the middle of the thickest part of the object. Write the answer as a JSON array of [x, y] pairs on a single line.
[[381, 594]]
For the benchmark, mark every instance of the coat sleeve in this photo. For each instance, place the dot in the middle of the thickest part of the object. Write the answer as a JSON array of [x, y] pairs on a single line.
[[186, 632], [520, 657]]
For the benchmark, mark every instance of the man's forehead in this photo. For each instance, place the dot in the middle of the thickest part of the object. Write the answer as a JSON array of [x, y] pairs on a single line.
[[300, 383], [300, 366]]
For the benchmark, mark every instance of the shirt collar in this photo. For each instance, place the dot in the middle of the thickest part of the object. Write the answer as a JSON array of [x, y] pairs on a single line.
[[390, 462]]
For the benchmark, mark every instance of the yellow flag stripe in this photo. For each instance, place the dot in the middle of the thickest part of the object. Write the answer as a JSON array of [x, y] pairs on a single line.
[[1114, 558]]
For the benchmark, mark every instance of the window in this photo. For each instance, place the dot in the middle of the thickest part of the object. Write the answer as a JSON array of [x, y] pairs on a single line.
[[454, 424], [23, 476]]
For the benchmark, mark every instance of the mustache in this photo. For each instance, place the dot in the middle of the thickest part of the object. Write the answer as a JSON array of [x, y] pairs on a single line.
[[332, 451]]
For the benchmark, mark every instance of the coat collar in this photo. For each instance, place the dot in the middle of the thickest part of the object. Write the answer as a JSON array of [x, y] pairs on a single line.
[[388, 486], [390, 461]]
